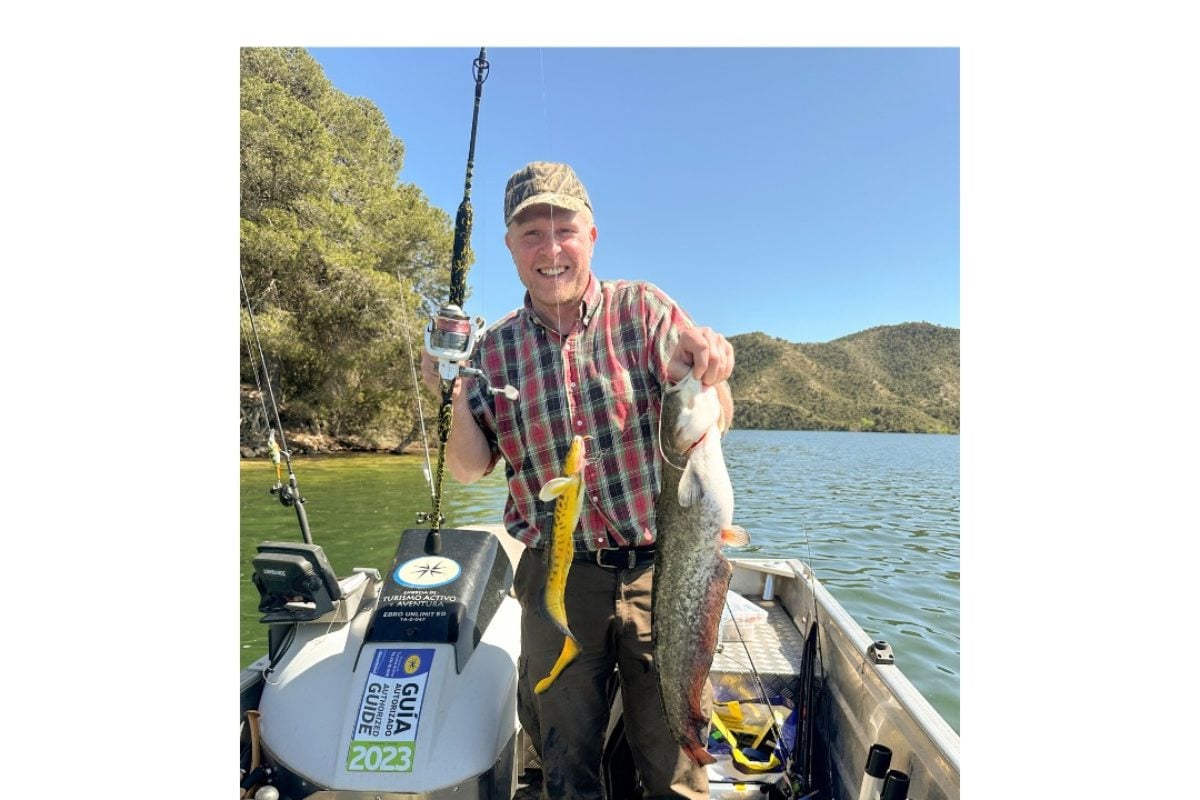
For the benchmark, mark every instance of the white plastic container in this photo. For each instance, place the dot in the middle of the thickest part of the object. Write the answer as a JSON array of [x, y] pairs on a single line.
[[747, 615]]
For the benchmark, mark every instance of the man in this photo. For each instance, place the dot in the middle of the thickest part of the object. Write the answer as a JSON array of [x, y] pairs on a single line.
[[590, 358]]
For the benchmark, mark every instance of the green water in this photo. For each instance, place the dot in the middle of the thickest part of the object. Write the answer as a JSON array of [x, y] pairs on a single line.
[[877, 515], [357, 507]]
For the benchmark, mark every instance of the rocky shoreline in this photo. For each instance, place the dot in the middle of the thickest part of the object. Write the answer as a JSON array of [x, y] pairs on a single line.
[[255, 429], [308, 444]]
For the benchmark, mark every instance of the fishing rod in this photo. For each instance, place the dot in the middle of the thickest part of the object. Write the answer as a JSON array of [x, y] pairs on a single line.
[[451, 336], [289, 493], [810, 694], [427, 470]]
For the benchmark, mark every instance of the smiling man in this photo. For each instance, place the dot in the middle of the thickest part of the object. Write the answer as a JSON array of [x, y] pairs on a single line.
[[589, 357]]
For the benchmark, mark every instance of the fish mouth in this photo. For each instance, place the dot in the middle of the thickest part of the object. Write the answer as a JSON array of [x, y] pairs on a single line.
[[686, 446]]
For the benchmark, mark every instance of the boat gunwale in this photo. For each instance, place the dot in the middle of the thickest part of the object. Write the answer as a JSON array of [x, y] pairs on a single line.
[[916, 705]]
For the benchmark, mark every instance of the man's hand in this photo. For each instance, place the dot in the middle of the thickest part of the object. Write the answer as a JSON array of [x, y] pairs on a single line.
[[703, 352], [433, 379], [468, 455]]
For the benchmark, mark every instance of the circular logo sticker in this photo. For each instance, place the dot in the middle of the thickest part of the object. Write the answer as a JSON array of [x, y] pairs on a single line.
[[427, 572], [412, 664]]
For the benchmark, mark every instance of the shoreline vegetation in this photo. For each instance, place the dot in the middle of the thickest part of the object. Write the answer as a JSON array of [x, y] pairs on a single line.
[[344, 263], [888, 379]]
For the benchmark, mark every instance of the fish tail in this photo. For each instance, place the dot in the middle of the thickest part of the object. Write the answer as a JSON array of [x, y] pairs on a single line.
[[570, 650], [694, 741], [697, 752], [556, 613]]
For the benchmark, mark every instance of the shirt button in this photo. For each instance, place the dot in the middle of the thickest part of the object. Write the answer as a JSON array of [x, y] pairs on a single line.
[[578, 423], [595, 499]]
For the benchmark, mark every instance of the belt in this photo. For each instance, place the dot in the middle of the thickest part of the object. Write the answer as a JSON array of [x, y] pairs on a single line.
[[618, 557]]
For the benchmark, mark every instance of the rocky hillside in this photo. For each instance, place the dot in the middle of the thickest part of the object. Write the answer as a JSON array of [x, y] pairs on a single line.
[[890, 378]]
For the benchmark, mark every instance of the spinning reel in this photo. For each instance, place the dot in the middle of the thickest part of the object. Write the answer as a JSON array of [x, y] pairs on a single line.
[[451, 338]]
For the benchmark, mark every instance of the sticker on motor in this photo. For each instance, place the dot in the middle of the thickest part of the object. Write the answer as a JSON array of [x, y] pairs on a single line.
[[427, 572], [385, 731]]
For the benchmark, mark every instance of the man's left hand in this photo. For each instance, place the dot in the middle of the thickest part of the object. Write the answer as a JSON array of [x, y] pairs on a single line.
[[703, 352]]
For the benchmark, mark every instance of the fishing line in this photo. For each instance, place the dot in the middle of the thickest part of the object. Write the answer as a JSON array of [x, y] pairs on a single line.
[[262, 396], [762, 689], [553, 232], [266, 373], [662, 452], [289, 495], [416, 388], [562, 338]]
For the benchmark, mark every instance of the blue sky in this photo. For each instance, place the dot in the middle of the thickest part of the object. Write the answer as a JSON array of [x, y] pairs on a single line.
[[805, 192]]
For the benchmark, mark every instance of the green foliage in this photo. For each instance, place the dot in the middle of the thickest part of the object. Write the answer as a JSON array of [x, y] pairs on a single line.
[[342, 262], [889, 378]]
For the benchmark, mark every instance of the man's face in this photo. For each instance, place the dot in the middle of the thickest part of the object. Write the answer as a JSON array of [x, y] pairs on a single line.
[[552, 249]]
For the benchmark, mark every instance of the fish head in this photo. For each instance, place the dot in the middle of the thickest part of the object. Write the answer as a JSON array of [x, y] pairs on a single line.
[[695, 410], [573, 463]]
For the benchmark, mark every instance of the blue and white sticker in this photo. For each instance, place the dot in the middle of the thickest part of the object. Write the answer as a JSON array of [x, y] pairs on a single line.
[[427, 572], [385, 729]]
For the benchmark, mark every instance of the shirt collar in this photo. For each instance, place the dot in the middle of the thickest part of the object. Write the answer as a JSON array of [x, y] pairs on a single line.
[[588, 306]]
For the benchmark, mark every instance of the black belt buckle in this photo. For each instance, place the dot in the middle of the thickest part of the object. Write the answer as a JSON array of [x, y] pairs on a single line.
[[630, 553]]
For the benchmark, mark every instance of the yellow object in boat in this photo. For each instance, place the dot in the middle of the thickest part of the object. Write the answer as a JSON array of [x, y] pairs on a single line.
[[739, 757]]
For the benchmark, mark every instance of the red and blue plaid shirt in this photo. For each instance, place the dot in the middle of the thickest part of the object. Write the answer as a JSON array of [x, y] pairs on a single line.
[[603, 379]]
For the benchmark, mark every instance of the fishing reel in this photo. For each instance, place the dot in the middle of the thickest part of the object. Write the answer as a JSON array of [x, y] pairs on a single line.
[[451, 338], [287, 495]]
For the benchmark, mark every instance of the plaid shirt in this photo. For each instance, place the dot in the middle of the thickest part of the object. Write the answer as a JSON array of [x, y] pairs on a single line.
[[603, 379]]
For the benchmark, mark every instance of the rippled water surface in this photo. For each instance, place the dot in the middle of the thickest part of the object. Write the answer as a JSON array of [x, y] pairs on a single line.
[[876, 514], [877, 517]]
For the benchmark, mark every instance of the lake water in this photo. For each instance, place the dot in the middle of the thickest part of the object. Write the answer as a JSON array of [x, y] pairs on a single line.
[[875, 514]]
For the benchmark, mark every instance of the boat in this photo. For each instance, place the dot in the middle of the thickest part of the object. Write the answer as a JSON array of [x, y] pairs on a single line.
[[404, 686]]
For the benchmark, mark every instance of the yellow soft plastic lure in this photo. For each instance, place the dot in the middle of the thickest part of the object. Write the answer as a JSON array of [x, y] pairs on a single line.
[[273, 447], [568, 489]]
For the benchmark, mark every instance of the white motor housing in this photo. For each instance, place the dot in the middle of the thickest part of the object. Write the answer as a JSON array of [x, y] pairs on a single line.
[[414, 696]]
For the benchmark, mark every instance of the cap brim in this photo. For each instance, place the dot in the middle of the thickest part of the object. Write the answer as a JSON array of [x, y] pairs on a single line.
[[547, 199]]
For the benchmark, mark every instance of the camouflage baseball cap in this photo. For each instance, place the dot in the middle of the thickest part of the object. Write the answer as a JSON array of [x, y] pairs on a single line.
[[544, 182]]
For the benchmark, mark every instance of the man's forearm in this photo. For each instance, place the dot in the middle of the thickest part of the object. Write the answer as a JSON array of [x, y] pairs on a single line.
[[467, 452], [726, 398]]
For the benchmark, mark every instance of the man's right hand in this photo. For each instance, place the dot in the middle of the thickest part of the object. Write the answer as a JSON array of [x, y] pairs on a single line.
[[433, 379], [468, 455]]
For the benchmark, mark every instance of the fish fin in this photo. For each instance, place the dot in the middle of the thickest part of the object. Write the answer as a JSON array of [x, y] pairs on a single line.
[[698, 754], [735, 536], [570, 651], [553, 488], [691, 488]]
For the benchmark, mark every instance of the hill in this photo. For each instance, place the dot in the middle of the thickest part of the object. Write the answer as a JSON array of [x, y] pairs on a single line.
[[890, 378]]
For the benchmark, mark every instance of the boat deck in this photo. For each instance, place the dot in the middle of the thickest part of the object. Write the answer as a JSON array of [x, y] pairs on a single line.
[[773, 649]]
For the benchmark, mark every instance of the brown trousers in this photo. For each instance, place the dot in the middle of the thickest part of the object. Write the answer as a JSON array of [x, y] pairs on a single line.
[[608, 610]]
